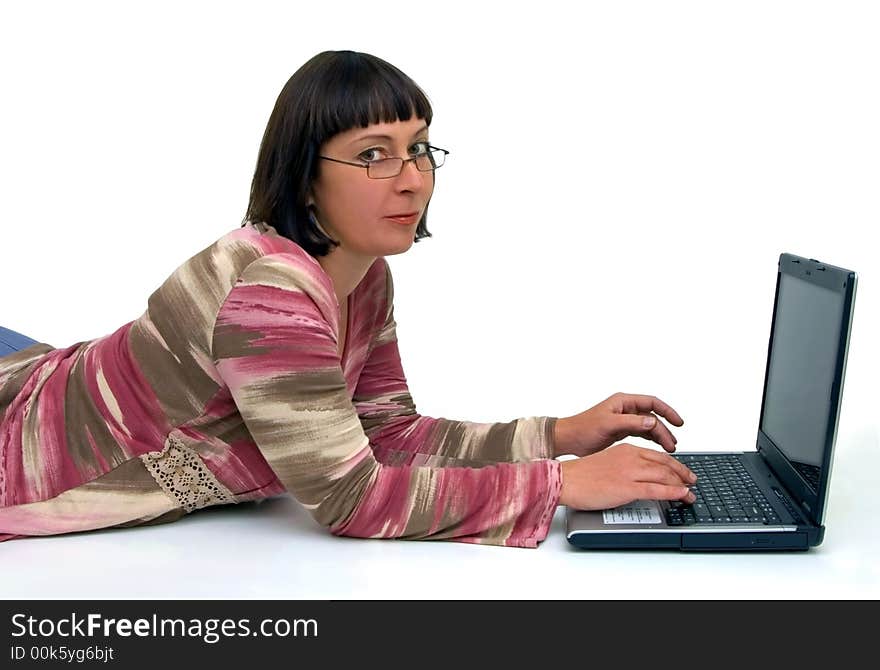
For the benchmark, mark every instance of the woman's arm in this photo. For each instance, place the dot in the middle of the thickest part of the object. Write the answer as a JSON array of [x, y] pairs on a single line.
[[400, 436], [275, 348]]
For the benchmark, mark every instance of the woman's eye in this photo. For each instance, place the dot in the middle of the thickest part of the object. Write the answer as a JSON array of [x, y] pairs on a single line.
[[420, 148], [363, 155]]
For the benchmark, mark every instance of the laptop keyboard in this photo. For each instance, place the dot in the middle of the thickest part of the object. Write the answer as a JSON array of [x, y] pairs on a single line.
[[725, 492]]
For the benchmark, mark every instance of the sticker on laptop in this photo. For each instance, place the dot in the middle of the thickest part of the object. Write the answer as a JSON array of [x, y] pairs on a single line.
[[636, 512]]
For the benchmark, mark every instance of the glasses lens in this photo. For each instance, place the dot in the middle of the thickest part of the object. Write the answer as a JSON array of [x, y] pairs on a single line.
[[430, 160], [387, 167], [391, 167]]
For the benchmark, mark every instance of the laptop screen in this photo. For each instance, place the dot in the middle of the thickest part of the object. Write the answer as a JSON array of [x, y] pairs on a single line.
[[801, 372]]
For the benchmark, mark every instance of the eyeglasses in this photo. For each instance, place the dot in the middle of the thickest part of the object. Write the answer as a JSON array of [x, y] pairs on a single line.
[[385, 168]]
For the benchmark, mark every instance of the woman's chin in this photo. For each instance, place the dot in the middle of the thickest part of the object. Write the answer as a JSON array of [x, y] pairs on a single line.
[[401, 241], [398, 248]]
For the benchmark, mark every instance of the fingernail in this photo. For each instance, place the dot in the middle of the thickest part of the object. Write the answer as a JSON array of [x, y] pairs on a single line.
[[648, 422], [693, 477]]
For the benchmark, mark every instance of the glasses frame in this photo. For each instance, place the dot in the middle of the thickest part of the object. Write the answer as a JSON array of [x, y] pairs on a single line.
[[402, 164]]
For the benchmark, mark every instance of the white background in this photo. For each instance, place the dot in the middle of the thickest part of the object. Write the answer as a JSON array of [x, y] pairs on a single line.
[[622, 179]]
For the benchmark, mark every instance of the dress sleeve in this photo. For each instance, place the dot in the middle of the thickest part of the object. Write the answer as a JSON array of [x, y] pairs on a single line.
[[275, 347], [400, 436]]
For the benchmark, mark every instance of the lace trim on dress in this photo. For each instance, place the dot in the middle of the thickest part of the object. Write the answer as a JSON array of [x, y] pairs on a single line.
[[182, 475]]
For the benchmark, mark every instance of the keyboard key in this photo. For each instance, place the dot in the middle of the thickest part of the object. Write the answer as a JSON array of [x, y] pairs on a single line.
[[725, 493]]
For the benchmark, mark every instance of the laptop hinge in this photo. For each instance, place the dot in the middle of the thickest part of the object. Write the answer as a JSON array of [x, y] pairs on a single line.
[[795, 504]]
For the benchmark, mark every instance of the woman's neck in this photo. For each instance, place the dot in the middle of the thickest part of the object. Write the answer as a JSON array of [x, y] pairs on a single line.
[[346, 270]]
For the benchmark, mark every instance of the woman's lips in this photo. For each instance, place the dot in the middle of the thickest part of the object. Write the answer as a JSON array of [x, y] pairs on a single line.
[[404, 220]]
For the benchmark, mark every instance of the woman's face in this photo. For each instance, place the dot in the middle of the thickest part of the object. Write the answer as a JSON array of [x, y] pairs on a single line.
[[354, 208]]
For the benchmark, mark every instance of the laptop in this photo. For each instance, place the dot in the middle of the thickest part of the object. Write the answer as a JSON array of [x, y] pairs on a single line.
[[773, 497]]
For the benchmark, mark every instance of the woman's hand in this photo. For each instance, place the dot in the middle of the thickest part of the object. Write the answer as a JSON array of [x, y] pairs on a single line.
[[620, 416], [621, 474]]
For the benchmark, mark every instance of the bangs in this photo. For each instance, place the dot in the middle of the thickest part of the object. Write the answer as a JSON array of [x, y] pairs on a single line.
[[359, 92]]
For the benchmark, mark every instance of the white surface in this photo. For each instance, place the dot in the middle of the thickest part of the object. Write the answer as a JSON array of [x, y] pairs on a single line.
[[274, 550], [621, 182]]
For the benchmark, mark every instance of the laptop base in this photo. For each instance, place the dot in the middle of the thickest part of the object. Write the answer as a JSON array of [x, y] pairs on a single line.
[[799, 540]]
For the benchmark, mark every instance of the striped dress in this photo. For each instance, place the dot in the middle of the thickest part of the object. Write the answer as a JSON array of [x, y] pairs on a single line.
[[230, 388]]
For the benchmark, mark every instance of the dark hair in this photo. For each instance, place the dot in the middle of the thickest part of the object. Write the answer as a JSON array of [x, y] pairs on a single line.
[[333, 92]]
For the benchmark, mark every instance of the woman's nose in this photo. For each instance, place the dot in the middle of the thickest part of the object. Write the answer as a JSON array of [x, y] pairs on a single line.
[[411, 177]]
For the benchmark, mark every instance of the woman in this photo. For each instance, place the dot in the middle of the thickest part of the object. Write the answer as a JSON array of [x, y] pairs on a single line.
[[268, 362]]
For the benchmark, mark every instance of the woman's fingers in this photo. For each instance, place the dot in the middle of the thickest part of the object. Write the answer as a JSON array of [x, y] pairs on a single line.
[[638, 424], [621, 474], [639, 408], [661, 475], [658, 432], [684, 473], [643, 404], [652, 491]]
